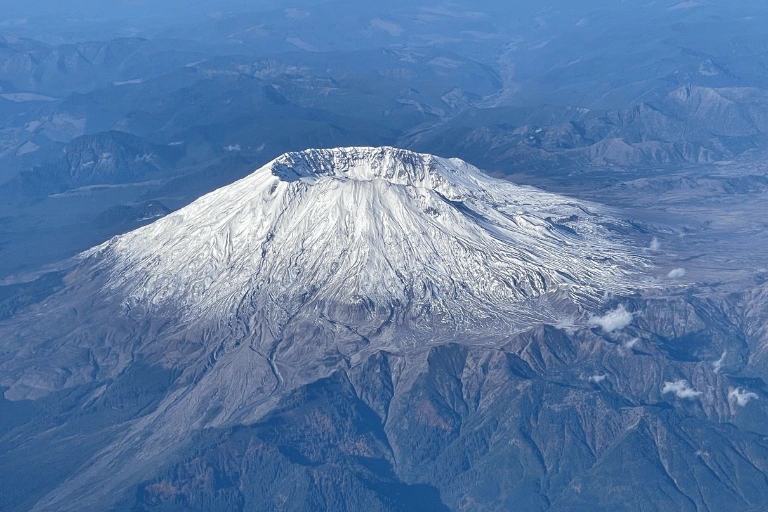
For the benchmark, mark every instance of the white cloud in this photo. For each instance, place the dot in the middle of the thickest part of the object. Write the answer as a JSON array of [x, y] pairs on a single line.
[[676, 273], [680, 388], [233, 147], [741, 397], [655, 244], [389, 27], [597, 379], [716, 365], [617, 319]]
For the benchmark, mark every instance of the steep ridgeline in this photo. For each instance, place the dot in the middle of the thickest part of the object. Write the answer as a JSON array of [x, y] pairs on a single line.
[[386, 321]]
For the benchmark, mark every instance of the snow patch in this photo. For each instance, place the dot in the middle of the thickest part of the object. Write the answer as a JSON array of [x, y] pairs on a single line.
[[135, 81], [300, 44], [445, 62], [26, 148], [21, 97]]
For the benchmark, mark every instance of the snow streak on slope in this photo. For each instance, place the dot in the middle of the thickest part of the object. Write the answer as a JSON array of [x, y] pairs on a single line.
[[361, 235]]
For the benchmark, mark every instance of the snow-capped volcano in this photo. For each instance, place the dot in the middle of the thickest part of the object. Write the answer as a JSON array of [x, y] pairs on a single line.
[[368, 235], [309, 266]]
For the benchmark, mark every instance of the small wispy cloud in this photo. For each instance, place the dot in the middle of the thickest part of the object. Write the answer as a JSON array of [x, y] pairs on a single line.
[[680, 388], [676, 273], [233, 147], [716, 365], [597, 378], [567, 324], [741, 396], [655, 244], [615, 320], [627, 346]]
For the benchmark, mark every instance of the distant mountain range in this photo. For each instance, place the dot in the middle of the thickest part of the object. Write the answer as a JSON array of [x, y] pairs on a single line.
[[692, 125], [106, 158]]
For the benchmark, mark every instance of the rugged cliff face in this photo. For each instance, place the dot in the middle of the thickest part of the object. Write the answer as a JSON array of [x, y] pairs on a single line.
[[372, 327]]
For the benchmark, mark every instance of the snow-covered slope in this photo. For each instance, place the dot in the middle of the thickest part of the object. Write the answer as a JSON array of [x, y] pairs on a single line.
[[366, 233]]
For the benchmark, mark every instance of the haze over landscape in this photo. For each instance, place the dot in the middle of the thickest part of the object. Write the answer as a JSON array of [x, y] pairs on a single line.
[[332, 255]]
